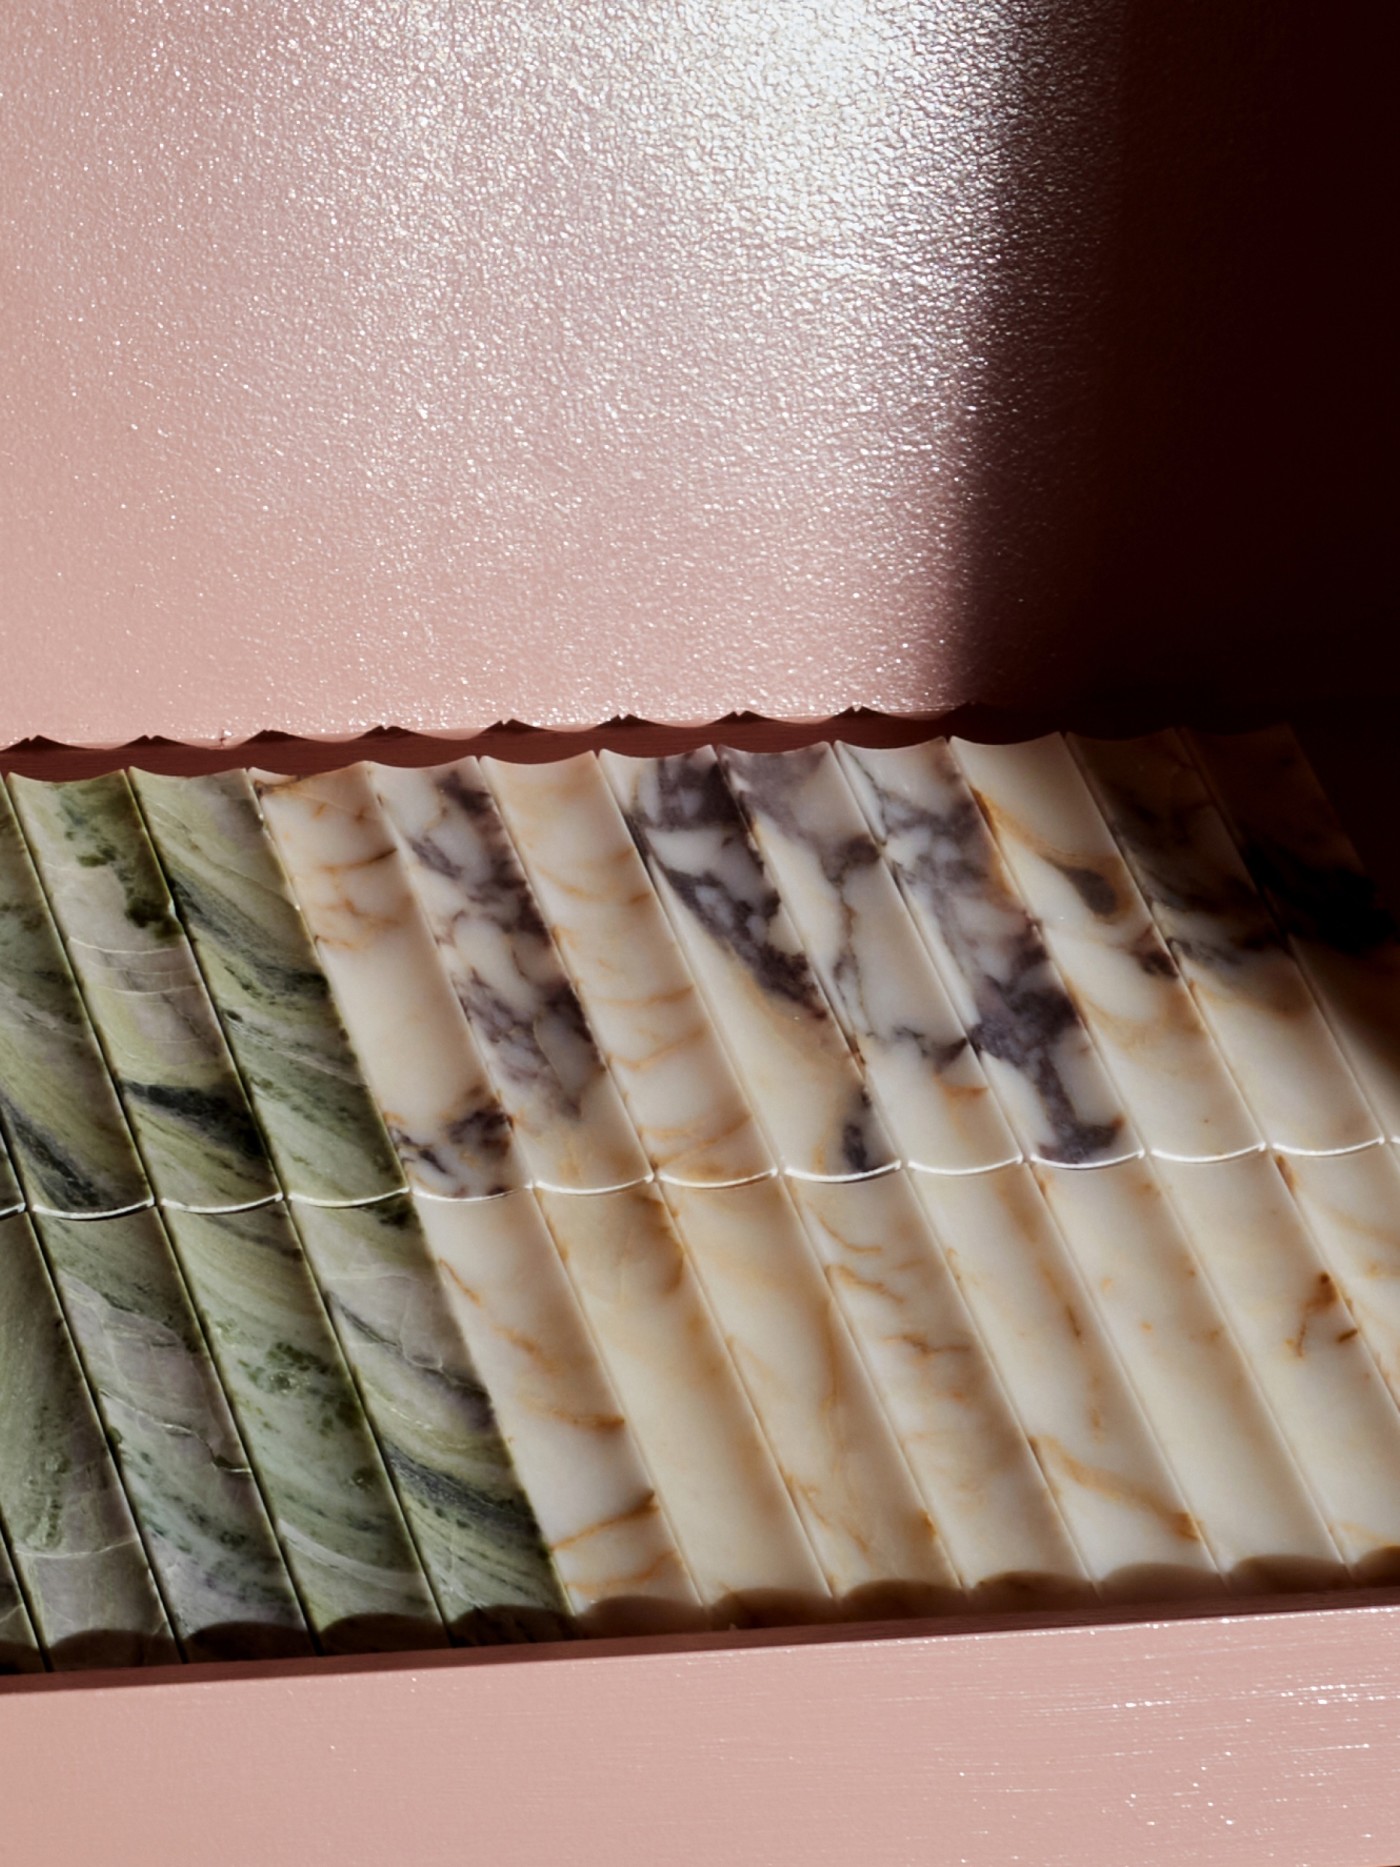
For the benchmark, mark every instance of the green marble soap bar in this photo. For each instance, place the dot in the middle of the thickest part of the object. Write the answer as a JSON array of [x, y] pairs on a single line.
[[472, 1521], [330, 1499], [19, 1649], [69, 1525], [325, 1133], [144, 992], [182, 1461], [57, 1103], [344, 1536]]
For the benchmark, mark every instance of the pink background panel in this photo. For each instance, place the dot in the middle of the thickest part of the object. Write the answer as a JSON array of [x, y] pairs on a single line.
[[428, 364], [1266, 1741]]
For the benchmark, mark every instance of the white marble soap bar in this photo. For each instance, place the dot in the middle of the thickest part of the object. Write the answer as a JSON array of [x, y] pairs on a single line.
[[750, 965], [641, 1001], [411, 1035], [1199, 1376], [1175, 1087], [496, 951], [1013, 1004], [1345, 938], [1246, 981], [1304, 1346], [1123, 1507], [971, 1459], [713, 1469], [863, 1513], [866, 952]]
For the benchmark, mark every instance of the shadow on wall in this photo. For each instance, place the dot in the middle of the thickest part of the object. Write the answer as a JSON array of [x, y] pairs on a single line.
[[1185, 462]]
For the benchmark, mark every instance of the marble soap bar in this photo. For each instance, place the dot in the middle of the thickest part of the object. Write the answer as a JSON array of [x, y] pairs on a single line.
[[19, 1649], [412, 1337], [1234, 954], [144, 992], [613, 1545], [1352, 1204], [750, 966], [1120, 1501], [57, 1102], [356, 1571], [91, 1593], [329, 1497], [870, 1529], [972, 1461], [714, 1471], [874, 968], [637, 991], [323, 1130], [1199, 1377], [182, 1461], [1175, 1087], [1305, 1346], [496, 951], [411, 1035], [1345, 938], [1022, 1023]]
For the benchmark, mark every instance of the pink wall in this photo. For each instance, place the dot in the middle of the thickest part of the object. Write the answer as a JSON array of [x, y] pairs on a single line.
[[1261, 1742], [433, 365]]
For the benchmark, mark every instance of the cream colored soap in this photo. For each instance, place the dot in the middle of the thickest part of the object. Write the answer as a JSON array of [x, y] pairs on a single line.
[[1175, 1087], [638, 993]]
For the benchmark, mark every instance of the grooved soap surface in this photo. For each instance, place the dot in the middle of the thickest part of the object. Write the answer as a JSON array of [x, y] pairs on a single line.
[[492, 1202]]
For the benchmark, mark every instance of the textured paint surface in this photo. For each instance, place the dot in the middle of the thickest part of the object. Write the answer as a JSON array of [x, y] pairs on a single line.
[[409, 346], [1246, 1741]]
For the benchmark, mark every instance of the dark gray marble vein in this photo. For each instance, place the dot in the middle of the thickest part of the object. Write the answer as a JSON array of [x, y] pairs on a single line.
[[1018, 1012], [325, 1135], [70, 1527]]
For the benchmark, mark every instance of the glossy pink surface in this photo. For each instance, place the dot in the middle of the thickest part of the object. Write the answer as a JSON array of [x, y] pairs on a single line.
[[432, 364], [1261, 1742]]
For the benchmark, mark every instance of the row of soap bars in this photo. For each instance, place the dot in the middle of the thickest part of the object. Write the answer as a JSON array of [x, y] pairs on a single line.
[[502, 1201]]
